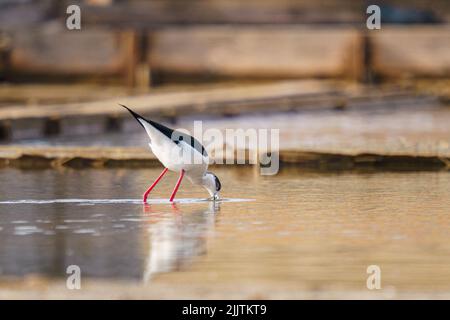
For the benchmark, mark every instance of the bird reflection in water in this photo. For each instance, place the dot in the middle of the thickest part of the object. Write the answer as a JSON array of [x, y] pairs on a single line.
[[176, 239]]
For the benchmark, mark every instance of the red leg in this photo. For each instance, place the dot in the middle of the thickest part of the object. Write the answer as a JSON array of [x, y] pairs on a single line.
[[174, 192], [154, 184]]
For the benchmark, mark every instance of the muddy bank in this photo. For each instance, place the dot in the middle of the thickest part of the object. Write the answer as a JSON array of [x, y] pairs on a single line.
[[27, 157]]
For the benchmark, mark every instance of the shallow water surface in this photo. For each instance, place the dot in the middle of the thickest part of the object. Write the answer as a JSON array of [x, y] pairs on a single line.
[[293, 230]]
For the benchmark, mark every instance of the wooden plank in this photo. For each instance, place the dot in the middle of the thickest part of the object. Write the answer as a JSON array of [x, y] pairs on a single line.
[[45, 94], [165, 103], [257, 52], [144, 14], [411, 51], [54, 50]]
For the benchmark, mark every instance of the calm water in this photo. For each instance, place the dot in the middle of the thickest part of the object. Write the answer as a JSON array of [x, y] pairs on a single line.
[[296, 229]]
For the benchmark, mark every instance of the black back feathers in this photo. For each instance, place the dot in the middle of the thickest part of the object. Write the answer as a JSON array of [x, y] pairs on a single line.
[[174, 135]]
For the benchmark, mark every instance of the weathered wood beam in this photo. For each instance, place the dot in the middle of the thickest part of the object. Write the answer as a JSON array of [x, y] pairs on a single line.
[[418, 51], [160, 13], [257, 52], [168, 103], [51, 51]]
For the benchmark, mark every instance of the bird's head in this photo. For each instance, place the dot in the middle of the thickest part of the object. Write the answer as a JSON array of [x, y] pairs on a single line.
[[212, 184]]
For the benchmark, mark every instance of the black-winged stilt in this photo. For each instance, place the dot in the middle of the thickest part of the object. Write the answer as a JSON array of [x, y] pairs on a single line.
[[178, 152]]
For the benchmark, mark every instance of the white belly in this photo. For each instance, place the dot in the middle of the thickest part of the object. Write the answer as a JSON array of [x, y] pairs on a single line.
[[177, 157]]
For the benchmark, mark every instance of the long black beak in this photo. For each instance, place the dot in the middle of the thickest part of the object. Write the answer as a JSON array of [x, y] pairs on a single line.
[[163, 129], [134, 114]]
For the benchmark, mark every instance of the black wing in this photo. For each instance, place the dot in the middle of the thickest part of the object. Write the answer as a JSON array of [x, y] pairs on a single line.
[[175, 135]]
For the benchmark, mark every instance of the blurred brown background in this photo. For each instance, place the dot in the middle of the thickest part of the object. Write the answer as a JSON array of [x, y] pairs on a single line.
[[171, 59], [369, 105], [143, 43]]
